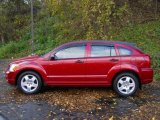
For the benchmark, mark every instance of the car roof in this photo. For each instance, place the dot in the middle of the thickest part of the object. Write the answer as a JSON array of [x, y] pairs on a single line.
[[104, 41]]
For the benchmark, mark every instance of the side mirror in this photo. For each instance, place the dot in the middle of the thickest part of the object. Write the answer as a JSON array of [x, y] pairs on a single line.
[[53, 57]]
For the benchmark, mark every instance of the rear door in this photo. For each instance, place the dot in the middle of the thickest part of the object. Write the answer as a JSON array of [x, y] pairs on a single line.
[[99, 62]]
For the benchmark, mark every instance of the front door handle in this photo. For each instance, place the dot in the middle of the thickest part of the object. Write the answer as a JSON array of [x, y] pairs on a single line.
[[114, 60], [79, 61]]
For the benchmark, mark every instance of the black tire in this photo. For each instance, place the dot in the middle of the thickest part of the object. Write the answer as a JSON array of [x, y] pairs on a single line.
[[121, 76], [38, 82]]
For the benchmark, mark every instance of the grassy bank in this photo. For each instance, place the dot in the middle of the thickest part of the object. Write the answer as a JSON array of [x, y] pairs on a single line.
[[146, 36]]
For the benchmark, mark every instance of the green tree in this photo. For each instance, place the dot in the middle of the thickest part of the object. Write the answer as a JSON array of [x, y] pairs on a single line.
[[15, 17], [86, 19]]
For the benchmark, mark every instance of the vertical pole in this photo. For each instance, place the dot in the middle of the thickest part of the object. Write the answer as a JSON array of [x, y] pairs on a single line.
[[156, 9], [32, 27]]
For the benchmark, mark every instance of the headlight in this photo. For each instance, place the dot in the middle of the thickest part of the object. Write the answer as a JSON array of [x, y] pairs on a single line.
[[13, 67]]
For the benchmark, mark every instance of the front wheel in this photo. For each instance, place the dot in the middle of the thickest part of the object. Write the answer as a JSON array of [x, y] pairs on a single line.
[[126, 84], [29, 82]]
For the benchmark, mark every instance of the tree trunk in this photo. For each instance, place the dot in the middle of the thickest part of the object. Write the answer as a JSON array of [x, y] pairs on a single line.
[[2, 39]]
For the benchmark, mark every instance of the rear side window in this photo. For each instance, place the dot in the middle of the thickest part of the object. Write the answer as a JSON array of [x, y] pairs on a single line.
[[102, 51], [124, 51]]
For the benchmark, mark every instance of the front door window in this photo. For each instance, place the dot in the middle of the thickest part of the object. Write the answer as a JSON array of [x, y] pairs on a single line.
[[71, 52]]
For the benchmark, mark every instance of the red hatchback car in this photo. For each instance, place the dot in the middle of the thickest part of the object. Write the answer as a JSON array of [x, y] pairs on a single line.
[[84, 63]]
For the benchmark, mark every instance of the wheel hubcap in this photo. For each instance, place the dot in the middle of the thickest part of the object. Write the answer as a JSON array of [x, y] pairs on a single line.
[[29, 83], [126, 85]]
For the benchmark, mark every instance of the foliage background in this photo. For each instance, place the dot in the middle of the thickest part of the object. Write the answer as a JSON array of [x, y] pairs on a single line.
[[60, 21]]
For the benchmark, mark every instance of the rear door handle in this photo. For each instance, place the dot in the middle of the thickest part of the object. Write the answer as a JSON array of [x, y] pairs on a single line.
[[114, 60], [79, 61]]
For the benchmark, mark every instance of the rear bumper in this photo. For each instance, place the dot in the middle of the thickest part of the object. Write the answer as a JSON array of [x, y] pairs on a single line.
[[146, 75], [10, 77]]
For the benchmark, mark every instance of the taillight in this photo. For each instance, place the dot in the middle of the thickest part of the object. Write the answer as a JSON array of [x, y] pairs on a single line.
[[147, 61]]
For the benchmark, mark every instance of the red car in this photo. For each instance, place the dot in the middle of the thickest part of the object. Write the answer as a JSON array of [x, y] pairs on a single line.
[[84, 63]]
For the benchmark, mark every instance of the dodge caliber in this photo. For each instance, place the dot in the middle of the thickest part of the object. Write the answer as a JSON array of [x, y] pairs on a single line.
[[120, 65]]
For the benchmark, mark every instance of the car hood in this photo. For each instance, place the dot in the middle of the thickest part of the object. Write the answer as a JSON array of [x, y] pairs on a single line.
[[29, 58]]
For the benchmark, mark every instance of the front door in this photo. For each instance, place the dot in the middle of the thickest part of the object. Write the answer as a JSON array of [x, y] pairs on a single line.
[[68, 66]]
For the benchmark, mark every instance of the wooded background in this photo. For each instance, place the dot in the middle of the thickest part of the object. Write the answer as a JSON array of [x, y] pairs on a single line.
[[60, 21], [79, 19]]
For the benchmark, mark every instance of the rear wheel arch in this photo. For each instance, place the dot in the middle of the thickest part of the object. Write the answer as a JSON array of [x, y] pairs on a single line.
[[128, 71]]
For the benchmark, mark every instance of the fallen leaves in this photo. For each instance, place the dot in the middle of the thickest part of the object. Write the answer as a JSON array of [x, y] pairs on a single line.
[[111, 118]]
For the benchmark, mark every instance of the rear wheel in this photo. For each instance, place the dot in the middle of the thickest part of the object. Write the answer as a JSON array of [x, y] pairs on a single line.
[[126, 84], [29, 82]]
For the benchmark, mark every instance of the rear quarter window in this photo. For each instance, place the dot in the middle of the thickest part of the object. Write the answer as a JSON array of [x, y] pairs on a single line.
[[124, 51]]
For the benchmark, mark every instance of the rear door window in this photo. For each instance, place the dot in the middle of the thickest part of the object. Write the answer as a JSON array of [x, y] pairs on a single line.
[[102, 51]]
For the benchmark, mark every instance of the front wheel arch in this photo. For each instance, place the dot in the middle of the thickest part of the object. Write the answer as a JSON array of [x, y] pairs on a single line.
[[31, 71], [37, 81]]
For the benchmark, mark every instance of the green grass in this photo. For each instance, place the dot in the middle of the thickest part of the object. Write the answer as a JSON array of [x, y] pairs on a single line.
[[14, 49], [49, 35], [146, 36]]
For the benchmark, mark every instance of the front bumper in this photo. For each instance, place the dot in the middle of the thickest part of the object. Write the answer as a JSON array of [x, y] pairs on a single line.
[[10, 77], [146, 75]]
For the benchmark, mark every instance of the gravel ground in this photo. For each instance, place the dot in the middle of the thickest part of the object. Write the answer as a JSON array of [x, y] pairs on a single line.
[[77, 103]]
